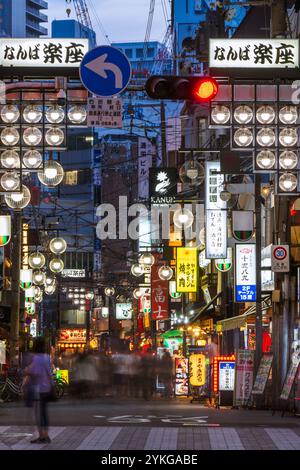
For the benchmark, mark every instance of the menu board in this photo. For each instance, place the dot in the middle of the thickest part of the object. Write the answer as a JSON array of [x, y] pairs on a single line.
[[197, 370], [244, 376], [226, 375], [289, 380], [262, 374], [181, 376]]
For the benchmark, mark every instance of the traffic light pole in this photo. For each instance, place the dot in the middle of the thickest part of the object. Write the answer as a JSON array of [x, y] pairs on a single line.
[[15, 290]]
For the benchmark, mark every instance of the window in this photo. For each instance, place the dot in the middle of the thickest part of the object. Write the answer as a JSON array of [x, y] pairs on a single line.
[[139, 53], [128, 53], [150, 52]]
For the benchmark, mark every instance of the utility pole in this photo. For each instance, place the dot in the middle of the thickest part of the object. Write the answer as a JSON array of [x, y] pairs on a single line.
[[15, 290], [258, 317]]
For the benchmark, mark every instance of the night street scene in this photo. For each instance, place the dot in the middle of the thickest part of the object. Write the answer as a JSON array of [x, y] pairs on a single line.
[[149, 232]]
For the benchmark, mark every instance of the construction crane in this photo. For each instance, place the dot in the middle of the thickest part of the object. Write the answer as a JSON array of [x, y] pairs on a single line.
[[148, 30], [82, 13]]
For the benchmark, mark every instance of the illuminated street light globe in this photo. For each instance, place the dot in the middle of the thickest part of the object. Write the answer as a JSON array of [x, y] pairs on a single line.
[[183, 218], [137, 270], [10, 159], [165, 273], [10, 113], [10, 181], [77, 114], [288, 182], [18, 200], [36, 260], [52, 175], [54, 137], [32, 136], [55, 114], [288, 160], [10, 136], [37, 291], [50, 280], [243, 114], [192, 173], [265, 160], [243, 137], [288, 115], [265, 114], [288, 137], [220, 114], [138, 294], [109, 291], [32, 159], [56, 265], [32, 114], [58, 245], [38, 277], [147, 259], [49, 290], [265, 137], [38, 298]]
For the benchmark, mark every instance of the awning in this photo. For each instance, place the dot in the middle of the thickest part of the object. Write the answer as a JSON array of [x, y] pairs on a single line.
[[172, 334], [202, 310], [240, 320]]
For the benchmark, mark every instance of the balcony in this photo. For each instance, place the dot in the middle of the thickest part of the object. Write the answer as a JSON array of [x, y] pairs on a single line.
[[35, 13], [40, 3], [36, 28]]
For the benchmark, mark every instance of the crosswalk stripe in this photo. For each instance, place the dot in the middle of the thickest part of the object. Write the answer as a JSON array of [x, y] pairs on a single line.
[[162, 439], [25, 444], [224, 439], [284, 439], [100, 438]]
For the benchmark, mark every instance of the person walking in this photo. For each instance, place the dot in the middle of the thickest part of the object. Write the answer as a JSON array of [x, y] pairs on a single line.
[[39, 373]]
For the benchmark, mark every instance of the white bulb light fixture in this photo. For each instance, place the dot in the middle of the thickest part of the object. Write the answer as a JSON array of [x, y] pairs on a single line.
[[10, 113], [138, 294], [265, 137], [55, 114], [183, 218], [32, 114], [54, 137], [10, 136], [288, 160], [10, 159], [165, 273], [32, 136], [36, 260], [243, 114], [18, 200], [109, 291], [288, 182], [56, 265], [52, 175], [10, 181], [147, 259], [243, 137], [265, 114], [58, 245], [266, 160], [77, 114], [288, 115], [137, 270], [38, 277], [32, 159], [220, 114], [288, 137]]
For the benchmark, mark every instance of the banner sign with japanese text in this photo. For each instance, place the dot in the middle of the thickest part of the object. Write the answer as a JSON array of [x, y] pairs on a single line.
[[243, 376], [226, 375], [146, 152], [216, 234], [262, 374], [181, 377], [254, 53], [37, 52], [186, 269], [213, 186], [159, 296], [245, 272], [289, 380], [105, 112], [197, 370]]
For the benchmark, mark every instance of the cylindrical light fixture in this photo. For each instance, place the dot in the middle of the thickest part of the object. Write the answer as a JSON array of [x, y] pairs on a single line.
[[10, 181], [55, 114], [54, 136], [288, 137], [49, 290], [32, 136], [220, 114], [52, 175], [192, 173], [183, 218], [265, 114], [265, 160], [18, 200], [38, 277], [25, 278], [32, 159], [265, 137], [243, 137], [165, 273], [10, 113], [137, 270], [288, 115], [10, 136], [10, 159], [147, 259], [243, 114], [109, 291], [50, 280], [288, 160], [32, 114], [288, 182], [36, 260], [58, 245], [56, 265], [77, 114]]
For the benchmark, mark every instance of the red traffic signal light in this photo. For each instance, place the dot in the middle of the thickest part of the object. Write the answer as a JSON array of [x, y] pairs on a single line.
[[170, 87]]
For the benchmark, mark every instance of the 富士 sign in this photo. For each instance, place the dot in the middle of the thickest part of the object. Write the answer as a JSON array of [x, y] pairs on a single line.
[[245, 272], [38, 52], [280, 258], [254, 53], [187, 269]]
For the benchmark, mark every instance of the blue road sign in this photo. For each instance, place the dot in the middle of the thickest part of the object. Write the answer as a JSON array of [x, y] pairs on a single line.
[[105, 71]]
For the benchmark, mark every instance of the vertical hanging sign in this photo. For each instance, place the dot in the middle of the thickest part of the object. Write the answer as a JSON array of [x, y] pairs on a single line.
[[159, 295], [245, 272], [187, 270], [5, 229]]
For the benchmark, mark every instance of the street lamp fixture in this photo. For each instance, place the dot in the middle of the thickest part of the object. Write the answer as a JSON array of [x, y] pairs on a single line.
[[165, 273], [18, 200], [10, 114], [32, 159], [10, 136], [243, 114], [36, 260], [58, 245], [10, 181], [183, 218], [10, 159], [137, 270], [266, 160], [265, 114], [32, 114], [243, 137], [288, 160], [52, 175], [56, 265], [220, 114]]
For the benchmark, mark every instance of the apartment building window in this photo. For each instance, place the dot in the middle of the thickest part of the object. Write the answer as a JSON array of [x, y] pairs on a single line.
[[128, 53], [139, 53], [150, 52]]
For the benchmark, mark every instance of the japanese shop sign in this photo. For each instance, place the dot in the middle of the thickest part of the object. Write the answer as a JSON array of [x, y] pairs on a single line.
[[72, 336], [105, 112], [187, 270], [5, 229], [280, 258], [254, 53], [216, 234], [213, 186], [226, 375], [146, 152], [159, 295], [42, 52], [262, 374], [244, 376], [197, 370], [289, 380], [181, 376], [245, 272], [162, 186], [73, 273], [33, 328], [124, 311]]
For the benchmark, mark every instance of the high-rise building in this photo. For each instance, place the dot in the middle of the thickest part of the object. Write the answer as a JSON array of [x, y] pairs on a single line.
[[73, 29], [23, 18]]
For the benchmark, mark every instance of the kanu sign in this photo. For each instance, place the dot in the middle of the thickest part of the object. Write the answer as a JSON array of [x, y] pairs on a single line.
[[163, 186], [42, 52]]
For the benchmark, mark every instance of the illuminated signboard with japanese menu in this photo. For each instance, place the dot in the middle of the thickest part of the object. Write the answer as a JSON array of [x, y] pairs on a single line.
[[245, 272], [187, 270]]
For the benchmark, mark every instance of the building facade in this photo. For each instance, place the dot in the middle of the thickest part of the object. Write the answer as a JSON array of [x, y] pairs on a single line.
[[23, 18], [73, 29]]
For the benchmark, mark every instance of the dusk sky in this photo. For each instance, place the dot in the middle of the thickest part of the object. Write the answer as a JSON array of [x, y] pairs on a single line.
[[122, 20]]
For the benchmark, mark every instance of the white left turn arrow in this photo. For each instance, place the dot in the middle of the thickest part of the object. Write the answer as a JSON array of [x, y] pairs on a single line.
[[99, 66]]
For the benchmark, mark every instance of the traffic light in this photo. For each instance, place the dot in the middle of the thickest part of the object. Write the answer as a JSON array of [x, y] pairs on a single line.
[[170, 87]]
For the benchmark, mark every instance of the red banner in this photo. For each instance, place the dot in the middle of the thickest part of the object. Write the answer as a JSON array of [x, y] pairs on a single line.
[[159, 296]]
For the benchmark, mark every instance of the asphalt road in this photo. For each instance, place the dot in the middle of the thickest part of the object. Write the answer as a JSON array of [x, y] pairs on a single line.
[[112, 412]]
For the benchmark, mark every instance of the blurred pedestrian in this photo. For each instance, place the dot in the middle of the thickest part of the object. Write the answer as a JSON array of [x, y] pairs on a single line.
[[166, 374], [39, 374]]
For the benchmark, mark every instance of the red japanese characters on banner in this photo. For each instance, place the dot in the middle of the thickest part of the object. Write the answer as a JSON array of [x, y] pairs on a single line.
[[159, 296]]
